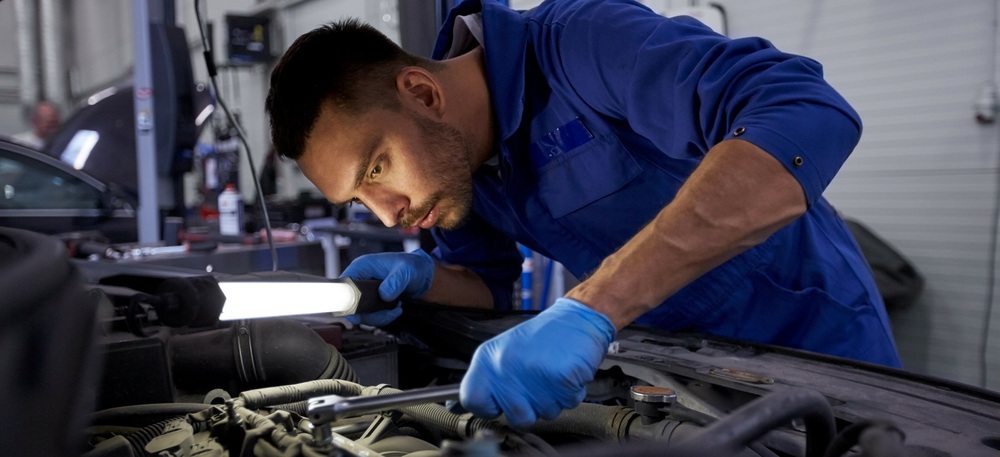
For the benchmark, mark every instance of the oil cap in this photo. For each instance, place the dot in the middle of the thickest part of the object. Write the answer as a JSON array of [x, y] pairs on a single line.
[[651, 402], [653, 394]]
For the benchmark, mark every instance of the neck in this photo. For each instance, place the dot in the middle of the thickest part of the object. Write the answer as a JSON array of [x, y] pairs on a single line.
[[470, 108]]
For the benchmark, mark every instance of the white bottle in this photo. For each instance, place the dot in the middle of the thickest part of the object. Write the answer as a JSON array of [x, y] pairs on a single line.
[[230, 211]]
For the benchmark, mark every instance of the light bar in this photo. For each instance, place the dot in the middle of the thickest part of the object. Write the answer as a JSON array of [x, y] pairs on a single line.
[[253, 300]]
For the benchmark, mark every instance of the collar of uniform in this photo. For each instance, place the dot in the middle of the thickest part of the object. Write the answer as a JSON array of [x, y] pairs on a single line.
[[504, 57]]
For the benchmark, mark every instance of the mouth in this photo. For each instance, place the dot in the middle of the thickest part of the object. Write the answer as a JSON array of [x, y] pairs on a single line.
[[430, 219]]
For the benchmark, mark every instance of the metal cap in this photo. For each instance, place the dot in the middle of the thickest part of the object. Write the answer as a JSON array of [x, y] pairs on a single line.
[[653, 394]]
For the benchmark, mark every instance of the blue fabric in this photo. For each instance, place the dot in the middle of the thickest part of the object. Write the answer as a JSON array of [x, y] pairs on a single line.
[[653, 95], [523, 375]]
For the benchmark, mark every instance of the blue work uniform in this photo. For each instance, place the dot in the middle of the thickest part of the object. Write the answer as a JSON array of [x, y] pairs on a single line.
[[603, 109]]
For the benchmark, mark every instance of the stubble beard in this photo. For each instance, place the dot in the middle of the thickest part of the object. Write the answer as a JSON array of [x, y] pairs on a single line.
[[449, 155]]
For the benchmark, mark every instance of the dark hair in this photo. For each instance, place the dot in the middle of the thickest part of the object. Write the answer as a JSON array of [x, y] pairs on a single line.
[[347, 63]]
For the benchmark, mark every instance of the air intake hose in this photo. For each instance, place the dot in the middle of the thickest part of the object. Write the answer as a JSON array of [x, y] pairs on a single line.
[[259, 353]]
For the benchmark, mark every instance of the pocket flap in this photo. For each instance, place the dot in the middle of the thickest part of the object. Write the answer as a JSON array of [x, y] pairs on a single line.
[[586, 174]]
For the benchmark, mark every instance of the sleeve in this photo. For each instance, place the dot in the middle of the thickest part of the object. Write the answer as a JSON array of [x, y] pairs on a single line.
[[686, 88], [481, 248]]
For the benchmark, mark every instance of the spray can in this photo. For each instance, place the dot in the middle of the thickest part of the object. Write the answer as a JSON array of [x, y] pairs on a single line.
[[230, 211], [527, 271]]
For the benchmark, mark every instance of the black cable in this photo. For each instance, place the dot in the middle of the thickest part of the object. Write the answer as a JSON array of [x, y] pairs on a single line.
[[727, 435], [210, 64], [682, 413], [756, 418]]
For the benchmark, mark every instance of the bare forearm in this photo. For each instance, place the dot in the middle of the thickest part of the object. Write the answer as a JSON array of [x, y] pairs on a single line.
[[736, 198], [457, 286]]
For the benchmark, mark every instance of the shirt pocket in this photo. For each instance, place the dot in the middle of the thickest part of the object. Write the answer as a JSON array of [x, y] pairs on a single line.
[[573, 179]]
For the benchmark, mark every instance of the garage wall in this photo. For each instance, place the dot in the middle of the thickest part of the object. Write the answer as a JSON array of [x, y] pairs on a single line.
[[100, 36], [13, 116]]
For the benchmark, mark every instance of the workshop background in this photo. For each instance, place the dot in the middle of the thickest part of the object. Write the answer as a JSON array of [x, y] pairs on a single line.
[[922, 75]]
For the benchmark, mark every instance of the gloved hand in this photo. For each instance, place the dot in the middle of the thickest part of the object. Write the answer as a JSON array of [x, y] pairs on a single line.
[[401, 273], [540, 367]]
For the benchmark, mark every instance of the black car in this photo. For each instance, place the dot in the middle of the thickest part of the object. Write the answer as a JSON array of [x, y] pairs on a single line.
[[42, 194]]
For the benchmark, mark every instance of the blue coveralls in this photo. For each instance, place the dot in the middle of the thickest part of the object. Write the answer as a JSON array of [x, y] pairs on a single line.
[[603, 109]]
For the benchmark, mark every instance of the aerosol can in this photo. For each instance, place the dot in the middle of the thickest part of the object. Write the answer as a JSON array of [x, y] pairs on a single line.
[[230, 211]]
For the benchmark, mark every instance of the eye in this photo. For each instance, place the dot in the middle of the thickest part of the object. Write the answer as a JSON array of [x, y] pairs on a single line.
[[376, 170]]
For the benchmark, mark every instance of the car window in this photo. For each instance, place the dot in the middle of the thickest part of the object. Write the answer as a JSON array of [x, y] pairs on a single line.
[[32, 185]]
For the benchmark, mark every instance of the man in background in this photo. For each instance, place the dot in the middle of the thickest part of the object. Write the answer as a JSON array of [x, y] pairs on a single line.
[[45, 120]]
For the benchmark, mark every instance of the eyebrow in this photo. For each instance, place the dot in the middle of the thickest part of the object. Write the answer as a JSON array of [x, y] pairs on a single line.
[[359, 175]]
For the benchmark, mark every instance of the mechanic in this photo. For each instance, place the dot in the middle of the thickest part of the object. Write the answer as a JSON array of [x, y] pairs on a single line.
[[679, 172], [45, 120]]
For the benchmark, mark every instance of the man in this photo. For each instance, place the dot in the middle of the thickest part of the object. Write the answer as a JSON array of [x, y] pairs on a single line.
[[45, 120], [680, 173]]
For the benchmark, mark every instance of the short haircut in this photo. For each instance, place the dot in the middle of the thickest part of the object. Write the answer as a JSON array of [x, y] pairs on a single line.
[[348, 63]]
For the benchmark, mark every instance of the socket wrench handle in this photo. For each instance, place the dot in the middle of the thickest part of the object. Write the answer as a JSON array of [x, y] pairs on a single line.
[[330, 408]]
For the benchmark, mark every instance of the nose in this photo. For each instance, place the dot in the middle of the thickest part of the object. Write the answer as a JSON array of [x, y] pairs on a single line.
[[387, 205]]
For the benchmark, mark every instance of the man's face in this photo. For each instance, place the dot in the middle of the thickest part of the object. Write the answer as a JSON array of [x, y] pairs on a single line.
[[46, 121], [406, 168]]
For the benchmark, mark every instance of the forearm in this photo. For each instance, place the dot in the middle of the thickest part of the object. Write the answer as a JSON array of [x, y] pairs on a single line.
[[458, 286], [736, 198]]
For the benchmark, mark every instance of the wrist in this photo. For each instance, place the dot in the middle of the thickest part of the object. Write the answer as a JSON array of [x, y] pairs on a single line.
[[426, 268], [604, 303], [602, 323]]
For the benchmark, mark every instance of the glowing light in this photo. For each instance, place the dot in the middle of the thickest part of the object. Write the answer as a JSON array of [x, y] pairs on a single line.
[[250, 300]]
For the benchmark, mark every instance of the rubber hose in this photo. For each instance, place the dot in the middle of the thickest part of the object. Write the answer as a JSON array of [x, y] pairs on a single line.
[[275, 351], [756, 418], [464, 425], [587, 419], [634, 449], [116, 446], [339, 368], [144, 414], [851, 436], [622, 424], [140, 438], [882, 440], [300, 407], [260, 398]]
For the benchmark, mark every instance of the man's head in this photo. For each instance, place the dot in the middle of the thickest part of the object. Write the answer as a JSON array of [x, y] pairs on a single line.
[[45, 120], [365, 121], [348, 64]]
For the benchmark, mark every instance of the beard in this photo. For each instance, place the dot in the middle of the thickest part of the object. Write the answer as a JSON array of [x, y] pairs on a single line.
[[448, 154]]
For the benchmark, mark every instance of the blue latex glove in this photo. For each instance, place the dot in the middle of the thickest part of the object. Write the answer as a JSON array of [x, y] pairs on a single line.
[[401, 273], [540, 367]]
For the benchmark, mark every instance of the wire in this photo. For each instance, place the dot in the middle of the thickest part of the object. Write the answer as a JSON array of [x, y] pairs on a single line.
[[210, 64]]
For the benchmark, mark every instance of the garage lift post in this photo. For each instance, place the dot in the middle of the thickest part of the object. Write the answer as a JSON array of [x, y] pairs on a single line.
[[144, 12]]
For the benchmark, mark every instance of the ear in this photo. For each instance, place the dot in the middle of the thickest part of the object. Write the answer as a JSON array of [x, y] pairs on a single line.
[[420, 91]]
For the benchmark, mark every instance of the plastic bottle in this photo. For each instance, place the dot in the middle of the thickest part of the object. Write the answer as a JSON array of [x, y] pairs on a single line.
[[230, 211]]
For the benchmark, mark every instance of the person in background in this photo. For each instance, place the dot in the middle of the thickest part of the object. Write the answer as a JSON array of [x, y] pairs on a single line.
[[677, 172], [45, 120]]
